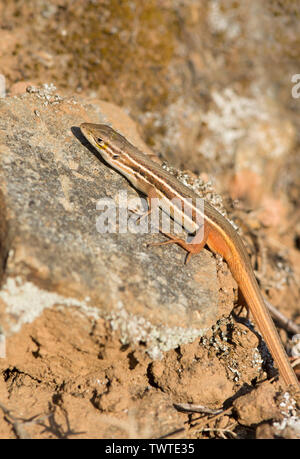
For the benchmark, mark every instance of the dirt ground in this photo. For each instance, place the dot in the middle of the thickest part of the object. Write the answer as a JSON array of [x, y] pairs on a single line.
[[211, 96]]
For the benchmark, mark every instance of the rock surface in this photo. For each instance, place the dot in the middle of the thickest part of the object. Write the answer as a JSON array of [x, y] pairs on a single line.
[[52, 251]]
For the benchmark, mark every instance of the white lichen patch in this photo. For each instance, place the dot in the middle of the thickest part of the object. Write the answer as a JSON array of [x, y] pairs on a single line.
[[243, 126], [25, 302], [225, 22], [291, 418], [257, 360], [227, 120], [135, 329]]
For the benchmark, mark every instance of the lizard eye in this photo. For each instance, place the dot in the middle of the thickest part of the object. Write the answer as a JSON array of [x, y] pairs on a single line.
[[115, 157], [99, 140]]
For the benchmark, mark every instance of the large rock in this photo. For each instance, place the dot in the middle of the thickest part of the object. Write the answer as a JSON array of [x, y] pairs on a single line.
[[51, 251]]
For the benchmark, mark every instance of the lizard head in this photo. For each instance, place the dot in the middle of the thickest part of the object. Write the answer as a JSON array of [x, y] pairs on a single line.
[[105, 139]]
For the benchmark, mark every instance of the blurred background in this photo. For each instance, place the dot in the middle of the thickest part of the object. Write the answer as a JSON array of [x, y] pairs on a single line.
[[201, 77]]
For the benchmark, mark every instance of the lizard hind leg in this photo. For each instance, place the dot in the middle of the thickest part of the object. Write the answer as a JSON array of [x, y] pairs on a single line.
[[193, 247]]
